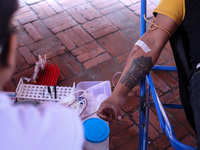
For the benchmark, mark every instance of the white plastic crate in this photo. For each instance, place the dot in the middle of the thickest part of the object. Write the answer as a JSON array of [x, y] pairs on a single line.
[[96, 93]]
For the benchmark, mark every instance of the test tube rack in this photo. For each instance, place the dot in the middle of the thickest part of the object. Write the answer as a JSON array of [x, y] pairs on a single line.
[[49, 76], [40, 92]]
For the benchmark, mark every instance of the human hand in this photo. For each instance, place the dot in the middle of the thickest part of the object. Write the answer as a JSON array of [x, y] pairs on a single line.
[[110, 109]]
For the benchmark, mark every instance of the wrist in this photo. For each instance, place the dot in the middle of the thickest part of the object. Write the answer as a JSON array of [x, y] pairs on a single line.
[[119, 99], [120, 92]]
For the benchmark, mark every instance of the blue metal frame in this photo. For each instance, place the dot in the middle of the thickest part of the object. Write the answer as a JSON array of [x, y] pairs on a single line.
[[144, 105], [143, 135], [164, 121], [164, 68]]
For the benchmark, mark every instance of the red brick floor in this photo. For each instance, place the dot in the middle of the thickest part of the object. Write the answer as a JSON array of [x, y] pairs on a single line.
[[90, 40]]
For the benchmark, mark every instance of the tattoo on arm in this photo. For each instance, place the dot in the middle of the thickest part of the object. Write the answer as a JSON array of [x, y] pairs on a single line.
[[138, 69]]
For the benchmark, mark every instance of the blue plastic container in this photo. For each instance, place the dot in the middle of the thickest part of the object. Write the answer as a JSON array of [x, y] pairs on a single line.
[[96, 134]]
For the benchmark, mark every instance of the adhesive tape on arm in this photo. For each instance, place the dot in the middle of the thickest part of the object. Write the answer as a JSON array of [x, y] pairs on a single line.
[[143, 46]]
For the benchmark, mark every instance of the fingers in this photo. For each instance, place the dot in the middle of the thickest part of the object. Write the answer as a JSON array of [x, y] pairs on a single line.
[[102, 116], [109, 117], [106, 114], [110, 111]]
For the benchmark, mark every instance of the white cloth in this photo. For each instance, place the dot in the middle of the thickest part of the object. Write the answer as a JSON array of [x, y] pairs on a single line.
[[46, 127]]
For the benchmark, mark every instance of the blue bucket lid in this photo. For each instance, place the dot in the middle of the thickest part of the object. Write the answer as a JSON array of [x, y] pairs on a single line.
[[96, 130]]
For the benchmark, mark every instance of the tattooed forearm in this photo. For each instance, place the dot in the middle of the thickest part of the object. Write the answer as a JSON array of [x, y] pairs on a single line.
[[138, 69]]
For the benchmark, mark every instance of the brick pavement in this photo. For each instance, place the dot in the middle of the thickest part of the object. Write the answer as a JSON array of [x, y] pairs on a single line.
[[90, 40]]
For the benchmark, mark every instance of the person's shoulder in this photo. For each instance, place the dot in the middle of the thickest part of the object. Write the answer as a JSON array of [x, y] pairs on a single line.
[[67, 123], [54, 108], [5, 101], [48, 122], [55, 112]]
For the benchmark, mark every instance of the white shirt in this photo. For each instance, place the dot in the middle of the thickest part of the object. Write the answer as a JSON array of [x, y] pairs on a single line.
[[46, 127]]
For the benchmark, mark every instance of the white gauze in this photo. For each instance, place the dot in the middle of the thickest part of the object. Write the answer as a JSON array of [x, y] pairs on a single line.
[[143, 46]]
